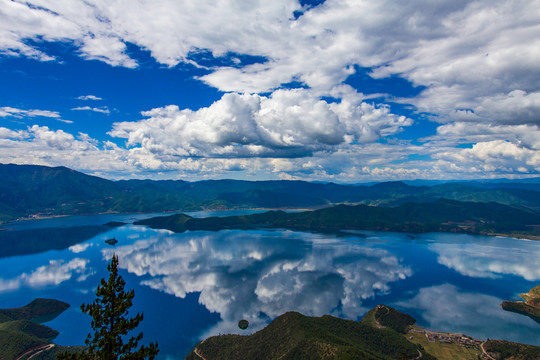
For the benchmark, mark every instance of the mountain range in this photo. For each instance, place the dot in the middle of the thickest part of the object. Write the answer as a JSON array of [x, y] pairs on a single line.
[[32, 190]]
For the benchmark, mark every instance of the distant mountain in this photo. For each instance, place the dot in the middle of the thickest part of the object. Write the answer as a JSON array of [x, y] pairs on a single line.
[[32, 190], [441, 215]]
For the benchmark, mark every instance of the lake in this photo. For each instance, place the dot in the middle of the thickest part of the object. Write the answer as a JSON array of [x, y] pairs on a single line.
[[196, 284]]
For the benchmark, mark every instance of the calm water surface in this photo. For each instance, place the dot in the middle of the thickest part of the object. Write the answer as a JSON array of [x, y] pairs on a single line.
[[201, 283]]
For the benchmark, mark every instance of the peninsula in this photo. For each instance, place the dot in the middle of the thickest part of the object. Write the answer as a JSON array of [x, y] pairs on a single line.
[[439, 216], [530, 307]]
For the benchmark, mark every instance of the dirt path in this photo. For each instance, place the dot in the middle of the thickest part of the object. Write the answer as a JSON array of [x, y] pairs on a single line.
[[484, 351], [196, 351], [36, 350], [46, 348]]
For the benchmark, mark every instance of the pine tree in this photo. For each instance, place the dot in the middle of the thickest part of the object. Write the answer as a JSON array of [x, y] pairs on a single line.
[[110, 323]]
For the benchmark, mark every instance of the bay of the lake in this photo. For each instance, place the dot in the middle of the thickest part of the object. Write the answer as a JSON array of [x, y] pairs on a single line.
[[201, 283]]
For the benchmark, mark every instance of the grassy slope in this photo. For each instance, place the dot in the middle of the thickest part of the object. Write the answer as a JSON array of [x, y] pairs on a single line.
[[513, 351], [444, 351]]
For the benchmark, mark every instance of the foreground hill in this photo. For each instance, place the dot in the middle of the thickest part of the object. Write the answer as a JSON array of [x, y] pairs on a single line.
[[441, 215], [295, 336], [30, 190], [384, 333]]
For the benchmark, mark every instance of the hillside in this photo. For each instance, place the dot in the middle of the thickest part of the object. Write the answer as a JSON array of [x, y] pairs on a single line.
[[441, 215], [32, 190], [295, 336], [385, 316], [512, 351], [20, 328]]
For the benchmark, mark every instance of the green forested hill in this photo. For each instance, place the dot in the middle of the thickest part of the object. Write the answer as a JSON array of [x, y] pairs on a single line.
[[441, 215], [295, 336]]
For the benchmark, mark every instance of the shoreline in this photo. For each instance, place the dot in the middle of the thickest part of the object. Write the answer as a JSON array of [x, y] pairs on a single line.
[[522, 237]]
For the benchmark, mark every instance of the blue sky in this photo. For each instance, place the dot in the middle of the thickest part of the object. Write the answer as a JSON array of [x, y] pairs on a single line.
[[343, 91]]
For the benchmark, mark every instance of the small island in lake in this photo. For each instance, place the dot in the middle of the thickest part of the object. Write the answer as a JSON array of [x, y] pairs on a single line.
[[111, 241], [530, 307]]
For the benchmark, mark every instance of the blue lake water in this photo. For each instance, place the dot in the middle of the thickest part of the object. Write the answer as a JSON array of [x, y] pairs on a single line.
[[201, 283]]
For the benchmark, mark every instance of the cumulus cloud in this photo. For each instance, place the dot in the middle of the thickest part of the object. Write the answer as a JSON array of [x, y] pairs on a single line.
[[52, 274], [496, 157], [41, 145], [242, 277], [289, 123], [477, 61]]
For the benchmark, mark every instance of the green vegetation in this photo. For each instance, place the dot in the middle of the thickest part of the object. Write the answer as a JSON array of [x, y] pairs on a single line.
[[441, 215], [30, 328], [522, 308], [39, 310], [20, 329], [14, 343], [295, 336], [44, 191], [385, 316], [531, 306], [509, 350], [111, 323], [533, 296]]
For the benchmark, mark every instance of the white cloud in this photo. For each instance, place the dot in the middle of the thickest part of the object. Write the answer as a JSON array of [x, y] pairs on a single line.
[[467, 53], [89, 97], [6, 133], [289, 123], [497, 156], [103, 110], [40, 145], [478, 61], [7, 111]]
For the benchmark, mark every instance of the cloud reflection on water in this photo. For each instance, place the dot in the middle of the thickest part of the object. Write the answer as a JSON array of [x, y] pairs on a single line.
[[54, 273], [259, 275], [490, 259]]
